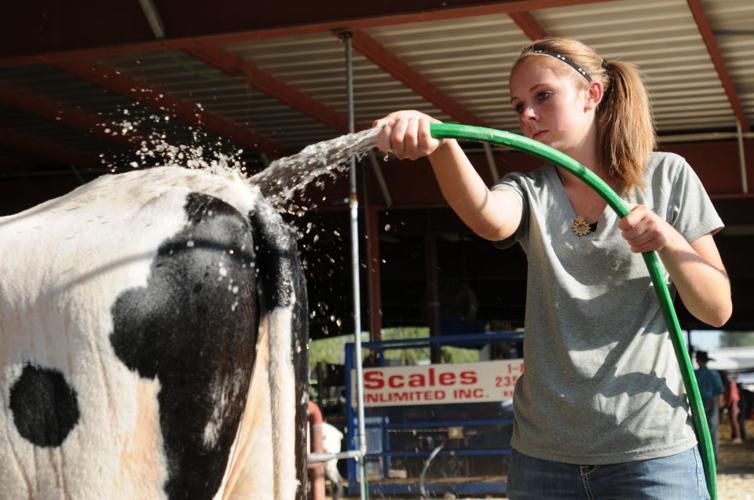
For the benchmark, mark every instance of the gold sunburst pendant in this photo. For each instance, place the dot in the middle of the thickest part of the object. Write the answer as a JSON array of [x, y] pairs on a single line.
[[580, 226]]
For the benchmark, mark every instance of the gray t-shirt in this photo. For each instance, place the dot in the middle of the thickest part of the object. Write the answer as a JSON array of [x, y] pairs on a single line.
[[602, 384]]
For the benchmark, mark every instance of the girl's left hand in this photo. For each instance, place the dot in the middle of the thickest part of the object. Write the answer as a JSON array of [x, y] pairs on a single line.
[[644, 230]]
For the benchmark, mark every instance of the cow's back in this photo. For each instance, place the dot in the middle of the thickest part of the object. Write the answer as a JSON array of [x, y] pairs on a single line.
[[130, 313]]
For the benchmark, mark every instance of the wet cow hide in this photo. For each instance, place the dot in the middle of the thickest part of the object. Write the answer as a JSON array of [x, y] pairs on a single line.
[[152, 343]]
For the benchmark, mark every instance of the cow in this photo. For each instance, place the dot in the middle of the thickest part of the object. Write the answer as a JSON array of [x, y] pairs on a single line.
[[152, 343]]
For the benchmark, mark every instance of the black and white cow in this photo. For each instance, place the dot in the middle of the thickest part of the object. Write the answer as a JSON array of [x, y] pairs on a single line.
[[152, 343]]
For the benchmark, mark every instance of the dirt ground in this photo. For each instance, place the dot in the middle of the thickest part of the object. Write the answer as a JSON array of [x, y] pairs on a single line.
[[735, 469], [735, 472]]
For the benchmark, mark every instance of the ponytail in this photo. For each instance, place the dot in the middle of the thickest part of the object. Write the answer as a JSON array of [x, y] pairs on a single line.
[[625, 130]]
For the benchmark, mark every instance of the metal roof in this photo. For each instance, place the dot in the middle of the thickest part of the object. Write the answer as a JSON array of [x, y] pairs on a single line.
[[452, 64]]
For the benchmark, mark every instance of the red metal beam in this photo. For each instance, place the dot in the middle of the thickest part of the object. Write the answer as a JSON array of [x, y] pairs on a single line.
[[528, 25], [48, 149], [432, 278], [185, 110], [369, 48], [233, 65], [58, 112], [372, 216], [233, 35], [717, 59]]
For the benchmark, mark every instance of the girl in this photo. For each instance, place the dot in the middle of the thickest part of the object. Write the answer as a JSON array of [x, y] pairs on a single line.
[[601, 411]]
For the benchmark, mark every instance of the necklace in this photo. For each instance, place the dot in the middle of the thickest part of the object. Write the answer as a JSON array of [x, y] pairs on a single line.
[[581, 227]]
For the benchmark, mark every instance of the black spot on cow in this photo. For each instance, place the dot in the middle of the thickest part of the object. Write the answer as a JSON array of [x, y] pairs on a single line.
[[275, 248], [194, 328], [44, 407]]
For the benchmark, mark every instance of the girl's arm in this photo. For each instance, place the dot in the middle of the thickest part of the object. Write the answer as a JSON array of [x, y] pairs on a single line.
[[493, 215], [695, 268]]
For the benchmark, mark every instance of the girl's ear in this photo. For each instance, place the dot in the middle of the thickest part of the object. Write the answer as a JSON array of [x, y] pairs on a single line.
[[595, 93]]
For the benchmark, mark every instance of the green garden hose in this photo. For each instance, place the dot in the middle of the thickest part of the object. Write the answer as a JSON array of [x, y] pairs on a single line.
[[519, 142]]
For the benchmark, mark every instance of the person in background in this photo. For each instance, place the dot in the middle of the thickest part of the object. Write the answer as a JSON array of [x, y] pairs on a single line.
[[731, 399], [601, 411], [711, 390], [744, 406]]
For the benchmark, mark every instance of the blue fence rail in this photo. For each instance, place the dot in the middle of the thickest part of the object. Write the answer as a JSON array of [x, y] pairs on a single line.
[[460, 440]]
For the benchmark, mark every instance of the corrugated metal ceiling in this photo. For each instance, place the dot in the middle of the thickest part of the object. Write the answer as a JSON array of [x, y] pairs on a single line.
[[315, 65], [733, 24], [467, 59]]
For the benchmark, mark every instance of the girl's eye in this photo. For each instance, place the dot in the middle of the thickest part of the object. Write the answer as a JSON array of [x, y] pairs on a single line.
[[543, 96], [519, 108]]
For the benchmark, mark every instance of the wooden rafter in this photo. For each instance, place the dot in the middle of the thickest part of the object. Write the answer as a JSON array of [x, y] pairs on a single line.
[[439, 14], [379, 55], [59, 112], [528, 25], [185, 110], [48, 149], [255, 77], [717, 59]]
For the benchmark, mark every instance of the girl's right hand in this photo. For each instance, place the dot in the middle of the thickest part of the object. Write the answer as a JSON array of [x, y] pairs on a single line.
[[405, 134]]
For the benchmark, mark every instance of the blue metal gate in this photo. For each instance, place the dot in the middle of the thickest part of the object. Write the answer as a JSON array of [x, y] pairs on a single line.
[[435, 446]]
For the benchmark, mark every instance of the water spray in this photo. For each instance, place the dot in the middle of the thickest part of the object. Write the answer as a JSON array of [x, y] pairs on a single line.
[[536, 148]]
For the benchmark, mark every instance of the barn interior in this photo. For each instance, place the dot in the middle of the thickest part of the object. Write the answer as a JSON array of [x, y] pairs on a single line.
[[91, 88], [98, 87]]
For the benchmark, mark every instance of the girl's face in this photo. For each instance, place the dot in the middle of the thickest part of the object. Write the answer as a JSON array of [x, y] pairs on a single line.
[[552, 106]]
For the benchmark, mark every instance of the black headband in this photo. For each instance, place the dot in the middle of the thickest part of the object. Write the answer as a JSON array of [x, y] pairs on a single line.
[[565, 59]]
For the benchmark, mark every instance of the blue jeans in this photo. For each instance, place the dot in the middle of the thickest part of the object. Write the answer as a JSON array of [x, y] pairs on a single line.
[[679, 476]]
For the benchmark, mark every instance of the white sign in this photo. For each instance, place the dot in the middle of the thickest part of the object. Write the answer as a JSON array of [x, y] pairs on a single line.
[[482, 382]]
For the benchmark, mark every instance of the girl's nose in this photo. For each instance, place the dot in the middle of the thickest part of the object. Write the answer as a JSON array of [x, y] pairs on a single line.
[[528, 113]]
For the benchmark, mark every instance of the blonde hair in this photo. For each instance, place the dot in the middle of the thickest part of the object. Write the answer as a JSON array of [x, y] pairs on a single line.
[[625, 129]]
